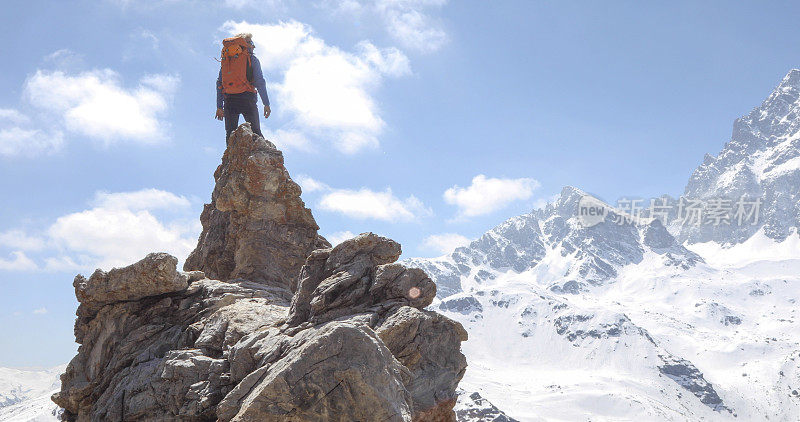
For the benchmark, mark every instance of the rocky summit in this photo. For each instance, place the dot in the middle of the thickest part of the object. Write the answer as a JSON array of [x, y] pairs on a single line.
[[256, 227], [268, 323]]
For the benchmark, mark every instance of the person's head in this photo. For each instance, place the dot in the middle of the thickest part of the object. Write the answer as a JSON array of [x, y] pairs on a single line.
[[248, 37]]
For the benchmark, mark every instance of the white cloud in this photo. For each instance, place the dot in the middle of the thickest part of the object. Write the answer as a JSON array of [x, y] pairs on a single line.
[[18, 262], [408, 23], [309, 184], [339, 237], [365, 203], [40, 311], [18, 239], [368, 204], [96, 104], [327, 92], [16, 141], [145, 199], [288, 139], [486, 195], [13, 116], [64, 59], [390, 61], [118, 229], [121, 229], [165, 84], [445, 242]]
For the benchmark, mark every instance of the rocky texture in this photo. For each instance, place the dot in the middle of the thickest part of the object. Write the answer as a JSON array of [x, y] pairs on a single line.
[[152, 276], [472, 407], [689, 377], [338, 281], [353, 344], [761, 161], [256, 227]]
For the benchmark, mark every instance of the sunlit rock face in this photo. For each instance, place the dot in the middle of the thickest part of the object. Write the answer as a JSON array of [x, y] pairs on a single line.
[[268, 323], [256, 227]]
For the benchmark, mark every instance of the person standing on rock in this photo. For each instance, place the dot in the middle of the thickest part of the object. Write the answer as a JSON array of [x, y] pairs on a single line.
[[240, 77]]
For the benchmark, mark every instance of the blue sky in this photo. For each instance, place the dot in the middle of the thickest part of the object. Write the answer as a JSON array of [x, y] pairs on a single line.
[[428, 121]]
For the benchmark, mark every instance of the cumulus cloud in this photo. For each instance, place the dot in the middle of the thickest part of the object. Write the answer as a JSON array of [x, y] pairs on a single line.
[[17, 141], [40, 311], [444, 243], [116, 230], [339, 237], [18, 239], [326, 92], [122, 228], [377, 205], [486, 195], [309, 184], [96, 104], [365, 203], [17, 262], [18, 138]]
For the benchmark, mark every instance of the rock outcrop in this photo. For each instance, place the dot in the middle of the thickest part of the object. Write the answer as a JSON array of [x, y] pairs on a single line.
[[354, 342], [256, 227]]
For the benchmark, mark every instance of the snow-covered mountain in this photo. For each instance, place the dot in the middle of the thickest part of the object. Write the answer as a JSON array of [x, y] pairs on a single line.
[[565, 254], [624, 318], [762, 160], [25, 394]]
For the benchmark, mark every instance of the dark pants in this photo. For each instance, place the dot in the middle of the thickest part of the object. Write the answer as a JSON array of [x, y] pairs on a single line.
[[244, 104]]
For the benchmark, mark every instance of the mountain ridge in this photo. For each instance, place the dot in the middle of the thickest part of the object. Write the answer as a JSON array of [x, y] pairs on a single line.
[[579, 306]]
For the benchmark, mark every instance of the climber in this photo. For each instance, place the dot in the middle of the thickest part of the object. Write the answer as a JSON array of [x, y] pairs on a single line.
[[239, 78]]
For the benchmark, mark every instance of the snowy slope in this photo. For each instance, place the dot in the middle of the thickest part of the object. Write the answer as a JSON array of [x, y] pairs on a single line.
[[660, 342], [34, 409], [25, 394], [569, 321]]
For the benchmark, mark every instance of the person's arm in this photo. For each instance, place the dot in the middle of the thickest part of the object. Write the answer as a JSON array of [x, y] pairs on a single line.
[[219, 114], [219, 89], [259, 82]]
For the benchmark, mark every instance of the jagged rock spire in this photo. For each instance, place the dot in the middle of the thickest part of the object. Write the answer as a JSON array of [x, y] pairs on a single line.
[[256, 227]]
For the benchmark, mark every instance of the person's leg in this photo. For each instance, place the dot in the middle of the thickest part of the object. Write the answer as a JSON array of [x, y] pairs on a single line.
[[250, 114], [231, 121]]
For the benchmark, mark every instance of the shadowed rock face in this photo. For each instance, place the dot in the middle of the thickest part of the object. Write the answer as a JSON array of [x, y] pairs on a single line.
[[256, 227], [353, 344]]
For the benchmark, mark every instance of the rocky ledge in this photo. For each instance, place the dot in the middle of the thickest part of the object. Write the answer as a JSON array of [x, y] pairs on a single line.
[[268, 323]]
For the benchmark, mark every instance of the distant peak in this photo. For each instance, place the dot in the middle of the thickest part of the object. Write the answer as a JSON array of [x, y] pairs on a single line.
[[571, 190], [791, 79]]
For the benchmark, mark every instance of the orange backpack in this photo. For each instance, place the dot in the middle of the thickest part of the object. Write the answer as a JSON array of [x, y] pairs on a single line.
[[237, 71]]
